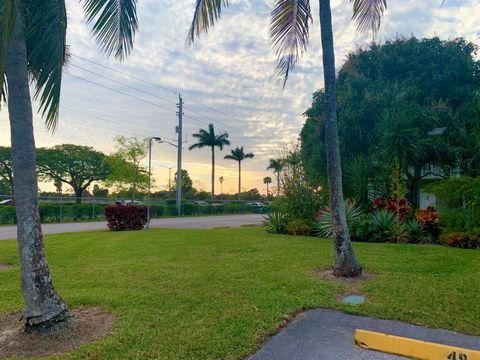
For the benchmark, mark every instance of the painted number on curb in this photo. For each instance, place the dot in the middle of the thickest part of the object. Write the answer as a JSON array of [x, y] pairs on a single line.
[[454, 356]]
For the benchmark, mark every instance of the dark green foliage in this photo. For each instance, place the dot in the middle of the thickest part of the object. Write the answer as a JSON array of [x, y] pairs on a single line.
[[276, 223], [389, 102], [416, 232], [364, 230], [8, 214], [384, 222], [300, 227]]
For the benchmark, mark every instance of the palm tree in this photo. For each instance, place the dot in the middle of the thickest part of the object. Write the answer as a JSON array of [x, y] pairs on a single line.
[[276, 165], [267, 180], [33, 47], [289, 30], [210, 139], [239, 155]]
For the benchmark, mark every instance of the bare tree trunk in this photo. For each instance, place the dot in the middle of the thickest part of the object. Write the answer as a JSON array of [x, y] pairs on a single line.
[[134, 187], [213, 173], [44, 308], [78, 195], [239, 179], [278, 183], [346, 263]]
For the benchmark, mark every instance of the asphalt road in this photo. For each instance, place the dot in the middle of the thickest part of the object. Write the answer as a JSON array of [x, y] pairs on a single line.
[[328, 335], [198, 222]]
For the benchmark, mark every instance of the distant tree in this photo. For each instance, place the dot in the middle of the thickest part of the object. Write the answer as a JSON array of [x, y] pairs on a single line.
[[239, 155], [132, 150], [211, 140], [276, 165], [99, 192], [267, 180], [188, 191], [58, 186], [6, 170], [75, 165], [121, 174]]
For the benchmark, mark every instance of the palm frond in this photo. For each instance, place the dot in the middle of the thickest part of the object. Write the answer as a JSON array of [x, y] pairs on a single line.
[[249, 155], [289, 30], [368, 14], [198, 145], [45, 36], [7, 21], [115, 24], [207, 13], [230, 157]]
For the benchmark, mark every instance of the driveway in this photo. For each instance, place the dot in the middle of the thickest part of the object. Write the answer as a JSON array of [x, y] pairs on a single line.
[[328, 335], [197, 222]]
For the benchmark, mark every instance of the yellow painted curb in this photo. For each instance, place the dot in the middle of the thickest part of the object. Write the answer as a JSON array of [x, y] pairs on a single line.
[[411, 348]]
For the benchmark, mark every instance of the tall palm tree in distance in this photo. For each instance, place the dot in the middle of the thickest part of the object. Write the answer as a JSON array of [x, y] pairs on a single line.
[[276, 165], [211, 140], [289, 31], [33, 47], [267, 181], [239, 155]]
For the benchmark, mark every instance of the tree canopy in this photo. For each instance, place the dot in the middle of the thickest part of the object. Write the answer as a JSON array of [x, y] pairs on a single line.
[[75, 165], [410, 101]]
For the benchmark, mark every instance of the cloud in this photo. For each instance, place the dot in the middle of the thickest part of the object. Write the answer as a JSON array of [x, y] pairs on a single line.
[[230, 70]]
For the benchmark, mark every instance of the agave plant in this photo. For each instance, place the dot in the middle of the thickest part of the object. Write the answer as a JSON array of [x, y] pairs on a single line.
[[275, 223], [323, 226], [416, 232], [384, 222]]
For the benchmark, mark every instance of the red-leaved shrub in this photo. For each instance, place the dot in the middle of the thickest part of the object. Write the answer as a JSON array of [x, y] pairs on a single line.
[[461, 240], [399, 207], [429, 219], [126, 217]]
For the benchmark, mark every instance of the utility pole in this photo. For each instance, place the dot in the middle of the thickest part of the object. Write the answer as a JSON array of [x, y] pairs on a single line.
[[179, 157]]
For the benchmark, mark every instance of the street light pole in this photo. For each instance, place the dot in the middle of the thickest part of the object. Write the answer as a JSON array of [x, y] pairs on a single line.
[[150, 176]]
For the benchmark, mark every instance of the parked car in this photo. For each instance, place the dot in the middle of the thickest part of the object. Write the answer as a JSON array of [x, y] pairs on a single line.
[[201, 203], [7, 202]]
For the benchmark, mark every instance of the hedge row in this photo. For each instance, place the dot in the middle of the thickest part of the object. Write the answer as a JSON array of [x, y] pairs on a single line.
[[50, 213]]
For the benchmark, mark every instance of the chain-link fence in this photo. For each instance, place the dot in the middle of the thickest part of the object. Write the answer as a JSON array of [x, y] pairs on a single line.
[[57, 209]]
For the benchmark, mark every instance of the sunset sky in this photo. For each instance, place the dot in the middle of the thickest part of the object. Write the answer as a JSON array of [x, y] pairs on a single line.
[[230, 71]]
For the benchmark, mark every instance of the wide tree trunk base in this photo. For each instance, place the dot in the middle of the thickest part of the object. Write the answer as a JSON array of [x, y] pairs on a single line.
[[58, 322], [347, 270]]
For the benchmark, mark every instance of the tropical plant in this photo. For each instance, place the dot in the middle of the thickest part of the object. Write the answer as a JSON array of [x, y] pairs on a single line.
[[267, 181], [276, 165], [211, 140], [384, 222], [462, 240], [33, 47], [323, 226], [416, 232], [399, 207], [429, 218], [275, 222], [299, 227], [238, 154], [289, 30]]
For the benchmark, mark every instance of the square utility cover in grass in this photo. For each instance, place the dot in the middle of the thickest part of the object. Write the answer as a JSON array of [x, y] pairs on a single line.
[[218, 294]]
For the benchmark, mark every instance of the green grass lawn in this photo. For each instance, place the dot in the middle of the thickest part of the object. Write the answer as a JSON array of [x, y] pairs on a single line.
[[211, 294]]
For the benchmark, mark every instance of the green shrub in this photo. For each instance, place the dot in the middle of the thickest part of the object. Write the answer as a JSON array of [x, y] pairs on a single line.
[[461, 240], [8, 214], [416, 232], [364, 230], [189, 209], [384, 223], [276, 223], [323, 225], [299, 227]]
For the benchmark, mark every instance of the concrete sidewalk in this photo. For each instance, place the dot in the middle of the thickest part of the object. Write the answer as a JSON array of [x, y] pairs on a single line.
[[194, 222], [328, 335]]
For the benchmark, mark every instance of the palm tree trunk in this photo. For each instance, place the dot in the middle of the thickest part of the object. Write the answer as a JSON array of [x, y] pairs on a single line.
[[346, 263], [278, 183], [44, 308], [213, 173], [239, 179]]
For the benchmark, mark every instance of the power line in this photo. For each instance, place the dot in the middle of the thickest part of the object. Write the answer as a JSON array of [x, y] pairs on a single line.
[[165, 89], [118, 91], [122, 83]]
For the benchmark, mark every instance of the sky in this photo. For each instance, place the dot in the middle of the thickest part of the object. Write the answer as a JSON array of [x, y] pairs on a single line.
[[226, 79]]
